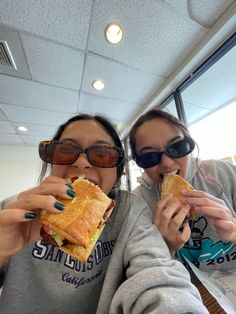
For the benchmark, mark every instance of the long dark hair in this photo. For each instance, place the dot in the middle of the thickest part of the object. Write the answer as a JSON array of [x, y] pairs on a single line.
[[107, 126], [150, 115]]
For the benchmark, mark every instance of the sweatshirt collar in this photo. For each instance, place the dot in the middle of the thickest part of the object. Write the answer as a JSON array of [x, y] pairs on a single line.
[[194, 165], [145, 181]]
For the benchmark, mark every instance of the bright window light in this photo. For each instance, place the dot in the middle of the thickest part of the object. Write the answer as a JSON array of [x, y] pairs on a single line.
[[215, 134]]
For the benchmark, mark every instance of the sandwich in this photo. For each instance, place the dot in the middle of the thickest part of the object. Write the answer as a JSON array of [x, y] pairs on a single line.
[[77, 228], [173, 183]]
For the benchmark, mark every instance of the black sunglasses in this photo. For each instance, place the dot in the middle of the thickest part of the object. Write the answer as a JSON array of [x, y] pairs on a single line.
[[65, 153], [177, 150]]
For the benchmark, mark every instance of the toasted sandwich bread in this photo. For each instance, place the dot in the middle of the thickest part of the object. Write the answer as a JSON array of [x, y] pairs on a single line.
[[174, 183], [77, 228]]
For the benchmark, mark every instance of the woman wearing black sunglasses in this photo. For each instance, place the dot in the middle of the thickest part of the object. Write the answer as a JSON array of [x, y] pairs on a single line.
[[126, 272], [161, 144]]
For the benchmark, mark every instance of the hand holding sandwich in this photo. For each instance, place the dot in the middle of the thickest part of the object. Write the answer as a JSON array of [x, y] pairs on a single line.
[[171, 213], [169, 223], [216, 211], [19, 221]]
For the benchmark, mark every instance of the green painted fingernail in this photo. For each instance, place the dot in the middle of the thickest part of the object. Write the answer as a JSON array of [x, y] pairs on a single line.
[[59, 205], [30, 215], [69, 185], [71, 193]]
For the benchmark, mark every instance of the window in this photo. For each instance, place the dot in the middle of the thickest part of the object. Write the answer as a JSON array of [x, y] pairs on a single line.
[[215, 134], [210, 108]]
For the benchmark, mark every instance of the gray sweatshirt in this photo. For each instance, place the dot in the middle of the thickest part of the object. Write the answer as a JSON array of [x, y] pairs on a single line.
[[129, 271], [204, 248]]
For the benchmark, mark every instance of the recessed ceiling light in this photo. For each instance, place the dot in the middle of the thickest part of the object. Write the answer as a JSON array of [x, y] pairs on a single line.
[[22, 128], [98, 85], [113, 33]]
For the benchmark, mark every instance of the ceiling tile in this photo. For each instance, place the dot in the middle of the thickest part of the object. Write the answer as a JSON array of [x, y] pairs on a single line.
[[2, 116], [155, 44], [32, 140], [207, 12], [6, 127], [12, 139], [117, 111], [37, 129], [36, 95], [53, 63], [65, 22], [121, 82], [158, 35], [37, 116], [179, 6]]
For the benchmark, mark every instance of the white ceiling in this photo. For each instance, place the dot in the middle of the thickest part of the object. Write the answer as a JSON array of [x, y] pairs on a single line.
[[59, 50]]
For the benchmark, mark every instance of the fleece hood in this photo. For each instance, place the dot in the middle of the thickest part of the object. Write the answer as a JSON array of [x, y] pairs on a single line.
[[145, 181]]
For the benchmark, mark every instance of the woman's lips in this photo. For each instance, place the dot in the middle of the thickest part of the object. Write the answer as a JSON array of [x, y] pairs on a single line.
[[168, 173], [92, 180], [72, 179]]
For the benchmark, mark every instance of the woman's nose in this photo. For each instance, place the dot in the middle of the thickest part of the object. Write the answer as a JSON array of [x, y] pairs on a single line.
[[166, 161], [82, 161]]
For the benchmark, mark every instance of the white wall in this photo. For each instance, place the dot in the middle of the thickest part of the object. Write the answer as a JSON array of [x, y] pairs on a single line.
[[19, 169]]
